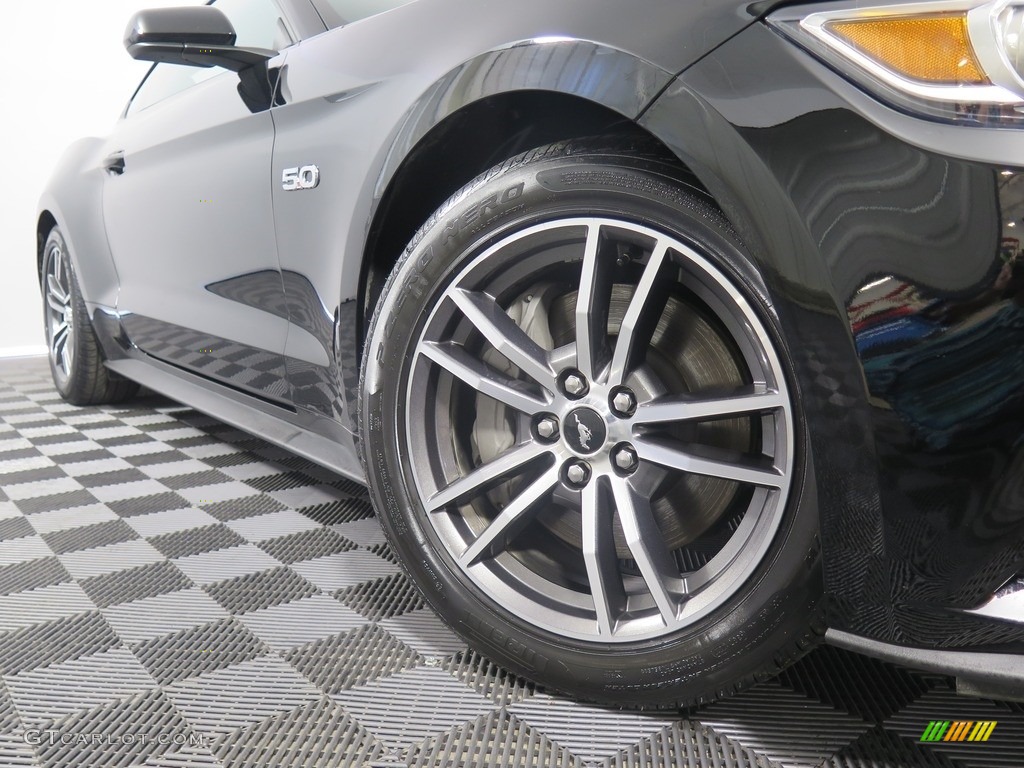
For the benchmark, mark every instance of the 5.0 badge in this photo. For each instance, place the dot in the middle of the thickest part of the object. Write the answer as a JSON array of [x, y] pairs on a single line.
[[306, 177]]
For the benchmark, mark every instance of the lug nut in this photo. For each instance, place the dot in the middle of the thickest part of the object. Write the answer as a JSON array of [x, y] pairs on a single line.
[[574, 385], [624, 403], [547, 427], [578, 474], [626, 459]]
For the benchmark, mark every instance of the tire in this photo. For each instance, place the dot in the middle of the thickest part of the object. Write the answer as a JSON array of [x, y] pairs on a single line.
[[556, 502], [76, 360]]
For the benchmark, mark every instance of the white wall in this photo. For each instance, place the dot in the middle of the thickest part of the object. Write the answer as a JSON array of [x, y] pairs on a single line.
[[68, 76]]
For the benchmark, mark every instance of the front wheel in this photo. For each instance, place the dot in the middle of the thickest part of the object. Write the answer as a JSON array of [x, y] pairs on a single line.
[[582, 436], [76, 360]]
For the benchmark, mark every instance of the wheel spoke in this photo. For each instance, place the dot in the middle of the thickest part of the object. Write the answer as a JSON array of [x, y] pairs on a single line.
[[55, 294], [647, 545], [592, 304], [505, 336], [503, 467], [60, 338], [511, 520], [686, 408], [454, 359], [641, 318], [65, 356], [726, 466], [58, 265], [600, 557]]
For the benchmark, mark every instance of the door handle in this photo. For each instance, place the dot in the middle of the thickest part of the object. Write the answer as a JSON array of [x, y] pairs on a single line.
[[114, 164]]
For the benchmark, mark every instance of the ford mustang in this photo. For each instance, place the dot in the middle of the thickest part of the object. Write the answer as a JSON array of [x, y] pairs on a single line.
[[671, 338]]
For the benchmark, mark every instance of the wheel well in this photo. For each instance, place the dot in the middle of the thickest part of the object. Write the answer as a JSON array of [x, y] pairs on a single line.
[[45, 224], [464, 145]]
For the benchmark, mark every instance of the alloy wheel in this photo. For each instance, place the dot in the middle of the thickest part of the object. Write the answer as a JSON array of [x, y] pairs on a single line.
[[600, 430], [59, 309]]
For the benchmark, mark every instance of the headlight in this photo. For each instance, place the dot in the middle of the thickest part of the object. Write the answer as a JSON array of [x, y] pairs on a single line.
[[954, 60]]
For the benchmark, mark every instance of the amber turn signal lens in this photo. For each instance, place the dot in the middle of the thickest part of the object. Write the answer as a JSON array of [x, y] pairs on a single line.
[[932, 49]]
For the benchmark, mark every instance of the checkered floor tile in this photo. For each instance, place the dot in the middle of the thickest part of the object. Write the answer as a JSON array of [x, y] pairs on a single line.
[[177, 594]]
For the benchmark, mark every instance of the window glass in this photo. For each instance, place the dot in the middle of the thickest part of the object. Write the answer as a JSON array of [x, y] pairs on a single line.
[[165, 80], [337, 13], [257, 23]]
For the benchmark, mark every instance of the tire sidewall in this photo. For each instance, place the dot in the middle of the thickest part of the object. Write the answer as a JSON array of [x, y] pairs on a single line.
[[736, 641]]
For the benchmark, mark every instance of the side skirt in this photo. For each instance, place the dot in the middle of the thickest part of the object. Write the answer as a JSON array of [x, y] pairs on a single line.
[[242, 411], [983, 674]]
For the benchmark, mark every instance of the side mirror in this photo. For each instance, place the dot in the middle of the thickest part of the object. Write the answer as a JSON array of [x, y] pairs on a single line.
[[194, 36]]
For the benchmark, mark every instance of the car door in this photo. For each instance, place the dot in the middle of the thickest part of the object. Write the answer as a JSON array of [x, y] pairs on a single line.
[[331, 85], [189, 217]]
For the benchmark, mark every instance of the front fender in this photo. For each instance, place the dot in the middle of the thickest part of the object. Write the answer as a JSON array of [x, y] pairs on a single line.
[[74, 197], [616, 79], [878, 235]]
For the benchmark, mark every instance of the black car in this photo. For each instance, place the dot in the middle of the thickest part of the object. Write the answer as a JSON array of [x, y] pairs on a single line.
[[671, 338]]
